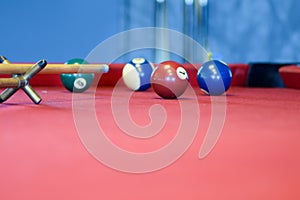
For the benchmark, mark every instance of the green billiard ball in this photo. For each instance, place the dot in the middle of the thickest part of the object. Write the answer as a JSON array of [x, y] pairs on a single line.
[[76, 61], [77, 82]]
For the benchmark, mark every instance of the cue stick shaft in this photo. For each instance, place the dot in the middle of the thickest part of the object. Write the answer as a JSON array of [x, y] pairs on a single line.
[[161, 37], [188, 29], [21, 68], [9, 83]]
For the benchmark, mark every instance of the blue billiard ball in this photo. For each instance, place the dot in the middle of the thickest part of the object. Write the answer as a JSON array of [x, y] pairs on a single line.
[[214, 77], [136, 74]]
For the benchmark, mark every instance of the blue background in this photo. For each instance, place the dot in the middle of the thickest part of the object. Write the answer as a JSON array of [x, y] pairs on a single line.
[[58, 30]]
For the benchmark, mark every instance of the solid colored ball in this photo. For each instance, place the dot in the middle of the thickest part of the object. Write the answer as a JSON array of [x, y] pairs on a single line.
[[214, 77], [169, 80], [77, 82], [136, 74]]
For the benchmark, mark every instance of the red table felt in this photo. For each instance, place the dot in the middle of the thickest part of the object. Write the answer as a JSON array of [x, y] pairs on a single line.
[[256, 157]]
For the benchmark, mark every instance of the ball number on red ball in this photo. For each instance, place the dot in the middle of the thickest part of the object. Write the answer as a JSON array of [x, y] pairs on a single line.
[[214, 77], [169, 80]]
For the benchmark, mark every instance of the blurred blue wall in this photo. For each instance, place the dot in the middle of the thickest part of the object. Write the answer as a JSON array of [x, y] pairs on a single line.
[[58, 30], [255, 30]]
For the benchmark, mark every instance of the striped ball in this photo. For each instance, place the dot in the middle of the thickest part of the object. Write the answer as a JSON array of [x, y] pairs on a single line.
[[136, 74]]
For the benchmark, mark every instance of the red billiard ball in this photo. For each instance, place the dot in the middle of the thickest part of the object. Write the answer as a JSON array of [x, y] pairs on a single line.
[[169, 80]]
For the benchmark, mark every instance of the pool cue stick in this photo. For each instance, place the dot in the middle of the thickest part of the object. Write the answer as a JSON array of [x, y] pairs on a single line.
[[126, 22], [197, 22], [161, 38], [13, 84], [21, 68], [188, 28], [10, 83], [36, 68], [204, 17], [205, 8], [33, 95], [201, 26]]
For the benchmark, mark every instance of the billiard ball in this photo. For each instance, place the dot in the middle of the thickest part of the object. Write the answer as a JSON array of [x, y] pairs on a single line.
[[214, 77], [169, 80], [77, 82], [136, 74]]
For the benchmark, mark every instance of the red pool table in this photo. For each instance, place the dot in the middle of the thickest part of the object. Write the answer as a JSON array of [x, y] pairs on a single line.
[[256, 156]]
